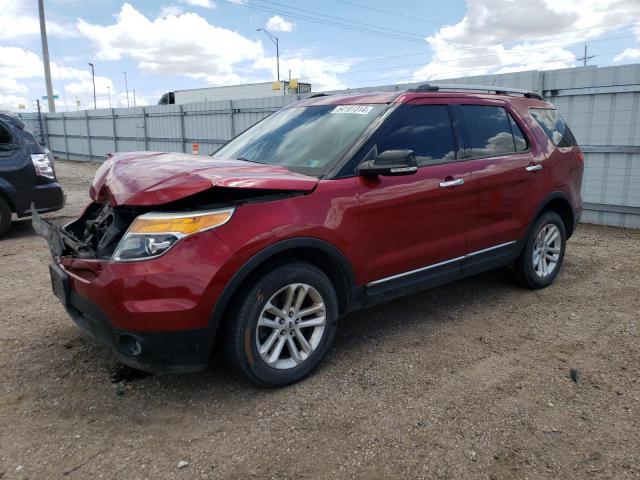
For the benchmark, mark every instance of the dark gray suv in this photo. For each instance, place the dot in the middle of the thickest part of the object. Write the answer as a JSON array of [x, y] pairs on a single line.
[[27, 173]]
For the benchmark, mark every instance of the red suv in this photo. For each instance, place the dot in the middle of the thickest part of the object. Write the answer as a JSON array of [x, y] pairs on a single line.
[[332, 204]]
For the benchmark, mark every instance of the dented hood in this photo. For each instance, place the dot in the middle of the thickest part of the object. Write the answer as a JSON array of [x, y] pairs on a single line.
[[154, 178]]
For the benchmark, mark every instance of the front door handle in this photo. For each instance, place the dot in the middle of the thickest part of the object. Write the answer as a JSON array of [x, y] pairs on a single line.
[[452, 183], [533, 168]]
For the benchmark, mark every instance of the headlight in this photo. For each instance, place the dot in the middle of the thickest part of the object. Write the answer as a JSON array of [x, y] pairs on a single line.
[[152, 234], [42, 164]]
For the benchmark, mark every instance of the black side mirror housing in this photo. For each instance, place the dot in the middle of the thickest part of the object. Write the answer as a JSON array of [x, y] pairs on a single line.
[[390, 163]]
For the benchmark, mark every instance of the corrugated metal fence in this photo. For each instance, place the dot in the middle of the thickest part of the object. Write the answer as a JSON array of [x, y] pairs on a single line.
[[602, 106]]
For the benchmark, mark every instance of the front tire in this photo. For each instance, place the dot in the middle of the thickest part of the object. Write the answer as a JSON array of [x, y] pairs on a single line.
[[543, 253], [5, 217], [283, 325]]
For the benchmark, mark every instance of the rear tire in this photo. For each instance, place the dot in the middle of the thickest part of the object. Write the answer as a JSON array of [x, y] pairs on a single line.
[[283, 325], [5, 217], [542, 255]]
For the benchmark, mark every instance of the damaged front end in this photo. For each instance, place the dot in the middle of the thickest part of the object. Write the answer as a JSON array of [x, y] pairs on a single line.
[[95, 235], [128, 233]]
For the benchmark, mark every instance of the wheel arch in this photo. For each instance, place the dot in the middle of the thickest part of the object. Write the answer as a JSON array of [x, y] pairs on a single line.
[[7, 193], [318, 252], [559, 203]]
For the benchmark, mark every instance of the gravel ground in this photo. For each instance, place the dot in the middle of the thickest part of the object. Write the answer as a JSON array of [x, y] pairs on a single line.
[[470, 380]]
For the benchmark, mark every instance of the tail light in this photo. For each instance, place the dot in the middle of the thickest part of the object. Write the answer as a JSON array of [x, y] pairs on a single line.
[[43, 166]]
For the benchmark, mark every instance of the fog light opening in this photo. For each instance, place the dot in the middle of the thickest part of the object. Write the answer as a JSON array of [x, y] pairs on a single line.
[[130, 345]]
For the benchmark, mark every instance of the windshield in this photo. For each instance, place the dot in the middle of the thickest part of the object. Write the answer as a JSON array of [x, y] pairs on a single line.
[[307, 140]]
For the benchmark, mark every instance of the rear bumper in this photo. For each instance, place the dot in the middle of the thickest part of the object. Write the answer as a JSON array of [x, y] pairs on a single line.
[[48, 197], [179, 351]]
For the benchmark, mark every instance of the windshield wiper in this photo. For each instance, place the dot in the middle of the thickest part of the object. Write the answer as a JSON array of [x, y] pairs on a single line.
[[244, 159]]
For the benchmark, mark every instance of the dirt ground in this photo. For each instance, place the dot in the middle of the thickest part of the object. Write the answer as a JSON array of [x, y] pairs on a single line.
[[470, 380]]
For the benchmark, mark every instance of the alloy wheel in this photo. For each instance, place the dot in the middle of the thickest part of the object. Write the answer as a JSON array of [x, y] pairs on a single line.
[[546, 250], [291, 326]]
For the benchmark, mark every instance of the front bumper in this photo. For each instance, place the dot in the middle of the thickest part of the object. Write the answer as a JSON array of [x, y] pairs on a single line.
[[178, 351], [156, 314]]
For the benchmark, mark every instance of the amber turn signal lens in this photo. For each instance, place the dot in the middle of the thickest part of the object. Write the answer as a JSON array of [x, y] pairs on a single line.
[[180, 223]]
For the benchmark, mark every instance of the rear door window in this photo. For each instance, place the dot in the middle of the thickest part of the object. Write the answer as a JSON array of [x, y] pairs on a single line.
[[553, 126], [491, 132], [425, 129], [8, 143]]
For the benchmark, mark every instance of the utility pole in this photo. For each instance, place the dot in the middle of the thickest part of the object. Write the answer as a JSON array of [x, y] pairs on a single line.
[[134, 97], [585, 58], [109, 95], [126, 86], [275, 41], [93, 78], [45, 57], [77, 104]]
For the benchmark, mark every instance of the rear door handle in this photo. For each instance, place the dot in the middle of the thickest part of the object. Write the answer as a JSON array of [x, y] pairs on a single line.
[[533, 168], [452, 183]]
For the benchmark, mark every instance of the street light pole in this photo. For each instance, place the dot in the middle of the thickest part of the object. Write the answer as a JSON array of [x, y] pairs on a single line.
[[93, 79], [109, 95], [275, 41], [126, 86]]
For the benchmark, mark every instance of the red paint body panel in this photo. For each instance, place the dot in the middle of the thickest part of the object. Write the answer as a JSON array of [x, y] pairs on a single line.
[[155, 178], [172, 292], [409, 222]]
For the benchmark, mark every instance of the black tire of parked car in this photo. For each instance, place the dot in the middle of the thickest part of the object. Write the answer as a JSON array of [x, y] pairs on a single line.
[[5, 217], [523, 271], [240, 349]]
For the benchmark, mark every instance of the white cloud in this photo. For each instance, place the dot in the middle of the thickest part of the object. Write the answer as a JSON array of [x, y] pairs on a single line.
[[184, 44], [321, 72], [10, 85], [497, 36], [201, 3], [13, 103], [16, 62], [279, 24], [174, 10], [20, 19], [628, 54]]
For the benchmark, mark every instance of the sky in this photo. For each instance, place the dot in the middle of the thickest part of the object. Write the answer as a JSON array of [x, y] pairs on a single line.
[[169, 45]]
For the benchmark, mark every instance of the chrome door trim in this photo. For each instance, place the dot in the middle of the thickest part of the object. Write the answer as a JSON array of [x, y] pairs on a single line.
[[439, 264]]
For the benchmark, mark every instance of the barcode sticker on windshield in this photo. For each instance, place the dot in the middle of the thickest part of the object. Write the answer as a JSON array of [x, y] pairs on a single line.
[[357, 109]]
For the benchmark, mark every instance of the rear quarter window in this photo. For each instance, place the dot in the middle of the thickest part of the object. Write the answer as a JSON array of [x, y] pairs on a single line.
[[8, 143], [553, 126]]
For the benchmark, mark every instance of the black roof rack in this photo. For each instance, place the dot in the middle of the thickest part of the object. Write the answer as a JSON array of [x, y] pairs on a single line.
[[316, 95], [432, 87]]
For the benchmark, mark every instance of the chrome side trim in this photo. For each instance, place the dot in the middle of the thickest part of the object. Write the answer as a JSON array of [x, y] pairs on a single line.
[[439, 264], [490, 248], [393, 277]]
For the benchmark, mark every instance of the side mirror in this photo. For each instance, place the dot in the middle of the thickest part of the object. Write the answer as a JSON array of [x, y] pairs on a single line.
[[390, 163]]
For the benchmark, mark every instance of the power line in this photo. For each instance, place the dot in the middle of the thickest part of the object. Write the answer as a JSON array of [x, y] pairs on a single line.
[[455, 71], [396, 14], [342, 19], [367, 28]]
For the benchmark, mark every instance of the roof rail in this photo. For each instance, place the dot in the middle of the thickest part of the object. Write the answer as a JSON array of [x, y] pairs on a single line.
[[316, 95], [432, 87]]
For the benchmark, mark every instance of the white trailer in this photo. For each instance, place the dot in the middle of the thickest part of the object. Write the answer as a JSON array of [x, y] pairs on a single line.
[[234, 92]]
